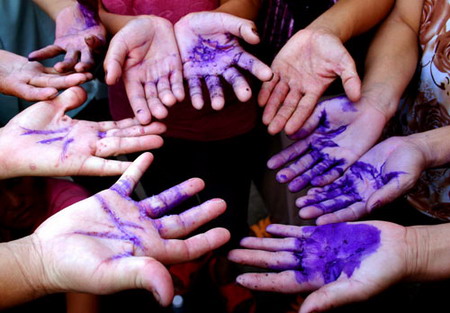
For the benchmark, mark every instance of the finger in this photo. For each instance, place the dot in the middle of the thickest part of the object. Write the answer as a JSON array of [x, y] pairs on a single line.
[[350, 79], [160, 204], [164, 92], [328, 206], [60, 81], [316, 170], [277, 97], [134, 130], [387, 194], [179, 225], [114, 60], [129, 179], [94, 42], [304, 109], [330, 176], [271, 244], [285, 282], [333, 295], [31, 93], [266, 89], [86, 61], [285, 230], [250, 63], [45, 53], [237, 81], [141, 273], [351, 213], [215, 92], [70, 59], [112, 146], [317, 197], [138, 100], [70, 99], [117, 126], [280, 260], [96, 166], [288, 154], [176, 84], [196, 246], [195, 91], [240, 27], [298, 167], [154, 103], [285, 111]]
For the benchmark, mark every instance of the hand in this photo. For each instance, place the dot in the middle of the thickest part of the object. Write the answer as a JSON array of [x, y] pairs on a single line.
[[145, 53], [343, 263], [31, 80], [79, 35], [333, 138], [209, 49], [382, 174], [46, 142], [303, 69], [110, 242]]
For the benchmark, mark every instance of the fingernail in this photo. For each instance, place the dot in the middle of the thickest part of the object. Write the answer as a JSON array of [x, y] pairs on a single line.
[[255, 31], [157, 296]]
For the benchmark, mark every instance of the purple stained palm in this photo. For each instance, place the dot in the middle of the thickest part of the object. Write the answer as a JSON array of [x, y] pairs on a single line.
[[328, 251], [61, 135]]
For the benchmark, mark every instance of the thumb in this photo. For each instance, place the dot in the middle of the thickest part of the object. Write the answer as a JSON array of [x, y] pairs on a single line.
[[333, 295], [70, 99], [143, 273], [115, 59], [240, 27], [384, 195], [350, 79]]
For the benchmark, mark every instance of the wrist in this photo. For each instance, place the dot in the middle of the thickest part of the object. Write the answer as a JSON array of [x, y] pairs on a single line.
[[23, 276], [428, 252], [377, 94]]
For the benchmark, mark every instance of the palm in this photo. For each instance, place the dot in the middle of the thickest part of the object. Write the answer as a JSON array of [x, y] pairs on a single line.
[[332, 139], [382, 174], [210, 50], [324, 258], [304, 68], [48, 142], [113, 238], [147, 53]]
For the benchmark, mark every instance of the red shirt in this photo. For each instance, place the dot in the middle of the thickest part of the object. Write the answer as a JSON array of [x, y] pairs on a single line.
[[184, 121]]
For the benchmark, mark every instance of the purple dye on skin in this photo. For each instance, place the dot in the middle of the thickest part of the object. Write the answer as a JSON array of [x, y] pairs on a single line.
[[101, 134], [121, 231], [44, 132], [89, 10], [166, 200], [330, 250]]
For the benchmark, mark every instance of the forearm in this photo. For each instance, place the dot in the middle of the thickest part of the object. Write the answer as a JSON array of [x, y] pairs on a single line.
[[53, 7], [247, 9], [114, 22], [348, 18], [20, 273], [434, 145], [429, 252], [393, 55]]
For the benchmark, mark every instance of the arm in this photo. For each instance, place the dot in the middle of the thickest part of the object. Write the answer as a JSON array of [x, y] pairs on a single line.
[[110, 242], [393, 55], [247, 9]]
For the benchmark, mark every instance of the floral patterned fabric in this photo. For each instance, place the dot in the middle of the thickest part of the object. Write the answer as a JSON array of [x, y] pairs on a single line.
[[429, 107]]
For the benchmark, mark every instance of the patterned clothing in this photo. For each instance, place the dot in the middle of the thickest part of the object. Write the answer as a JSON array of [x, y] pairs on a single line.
[[429, 108]]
